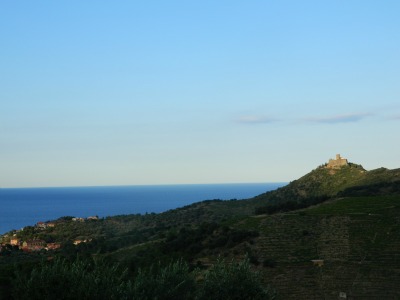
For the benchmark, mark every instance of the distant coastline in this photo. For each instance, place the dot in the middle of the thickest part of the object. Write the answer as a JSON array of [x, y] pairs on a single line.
[[27, 206]]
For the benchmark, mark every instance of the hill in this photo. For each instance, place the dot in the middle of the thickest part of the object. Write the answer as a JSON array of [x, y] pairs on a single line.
[[331, 234], [325, 183]]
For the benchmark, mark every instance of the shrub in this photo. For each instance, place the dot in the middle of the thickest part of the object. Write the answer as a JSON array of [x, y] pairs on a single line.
[[230, 281], [162, 283], [61, 279]]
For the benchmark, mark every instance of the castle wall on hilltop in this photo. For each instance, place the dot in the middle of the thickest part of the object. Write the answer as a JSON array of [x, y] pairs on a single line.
[[337, 163]]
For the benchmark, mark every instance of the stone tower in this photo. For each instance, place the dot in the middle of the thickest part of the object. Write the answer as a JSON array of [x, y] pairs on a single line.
[[337, 163]]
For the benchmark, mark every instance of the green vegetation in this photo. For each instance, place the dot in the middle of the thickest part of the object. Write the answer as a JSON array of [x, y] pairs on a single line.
[[345, 219], [382, 205], [323, 183], [289, 205], [61, 279], [233, 281], [175, 281]]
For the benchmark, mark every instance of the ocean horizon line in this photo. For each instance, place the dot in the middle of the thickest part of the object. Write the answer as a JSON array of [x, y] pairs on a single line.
[[142, 185]]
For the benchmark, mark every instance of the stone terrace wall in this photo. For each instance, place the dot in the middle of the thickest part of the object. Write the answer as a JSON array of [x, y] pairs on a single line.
[[357, 268]]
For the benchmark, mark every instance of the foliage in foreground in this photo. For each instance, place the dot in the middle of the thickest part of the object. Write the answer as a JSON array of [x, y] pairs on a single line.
[[61, 279], [233, 281], [174, 281]]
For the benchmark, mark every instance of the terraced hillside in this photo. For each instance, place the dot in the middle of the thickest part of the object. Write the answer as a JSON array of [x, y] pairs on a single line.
[[347, 248]]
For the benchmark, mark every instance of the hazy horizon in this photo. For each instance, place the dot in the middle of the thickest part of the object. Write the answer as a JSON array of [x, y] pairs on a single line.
[[143, 185], [149, 93]]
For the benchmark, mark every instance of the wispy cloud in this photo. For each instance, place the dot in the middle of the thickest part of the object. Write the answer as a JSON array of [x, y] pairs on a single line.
[[395, 117], [345, 118], [334, 119], [254, 119]]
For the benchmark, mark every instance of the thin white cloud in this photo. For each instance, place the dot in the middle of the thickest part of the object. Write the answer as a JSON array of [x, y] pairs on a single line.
[[254, 119], [345, 118], [335, 119]]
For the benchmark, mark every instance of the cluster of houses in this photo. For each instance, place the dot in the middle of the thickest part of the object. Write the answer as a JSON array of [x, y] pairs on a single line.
[[43, 225], [33, 244], [39, 244], [92, 218]]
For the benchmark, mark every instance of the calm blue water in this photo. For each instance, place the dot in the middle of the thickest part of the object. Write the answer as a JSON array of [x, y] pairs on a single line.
[[27, 206]]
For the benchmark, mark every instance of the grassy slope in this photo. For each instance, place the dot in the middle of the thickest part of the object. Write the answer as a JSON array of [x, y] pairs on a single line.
[[329, 182]]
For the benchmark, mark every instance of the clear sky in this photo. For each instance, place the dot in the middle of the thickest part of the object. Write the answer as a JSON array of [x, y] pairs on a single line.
[[165, 92]]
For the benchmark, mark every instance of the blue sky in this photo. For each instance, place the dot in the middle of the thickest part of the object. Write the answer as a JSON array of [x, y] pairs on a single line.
[[165, 92]]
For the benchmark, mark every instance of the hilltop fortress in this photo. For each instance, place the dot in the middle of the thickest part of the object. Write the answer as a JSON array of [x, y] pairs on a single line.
[[337, 163]]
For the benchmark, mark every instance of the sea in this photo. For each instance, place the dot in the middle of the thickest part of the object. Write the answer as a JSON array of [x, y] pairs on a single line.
[[20, 207]]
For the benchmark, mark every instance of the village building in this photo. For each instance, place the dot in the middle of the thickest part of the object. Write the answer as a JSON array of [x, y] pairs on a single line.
[[78, 219], [41, 225], [53, 246], [33, 245], [15, 241]]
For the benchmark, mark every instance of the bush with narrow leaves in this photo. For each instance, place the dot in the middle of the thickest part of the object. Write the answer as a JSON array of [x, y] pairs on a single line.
[[86, 280], [174, 281], [61, 279], [231, 281]]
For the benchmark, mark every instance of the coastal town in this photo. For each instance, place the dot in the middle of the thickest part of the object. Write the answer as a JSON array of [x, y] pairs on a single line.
[[27, 239]]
